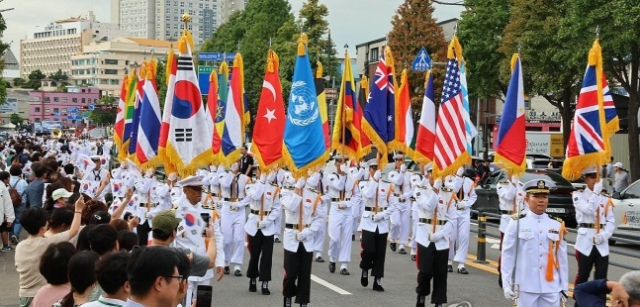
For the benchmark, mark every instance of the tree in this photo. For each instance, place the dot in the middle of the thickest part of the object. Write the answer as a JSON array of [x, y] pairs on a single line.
[[105, 117], [3, 48], [251, 30], [35, 79], [549, 64], [59, 76], [480, 31], [18, 82], [413, 28], [161, 81], [107, 100], [16, 119], [619, 21], [312, 21]]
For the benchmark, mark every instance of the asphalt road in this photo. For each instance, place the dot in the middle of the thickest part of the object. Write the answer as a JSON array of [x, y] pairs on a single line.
[[479, 288]]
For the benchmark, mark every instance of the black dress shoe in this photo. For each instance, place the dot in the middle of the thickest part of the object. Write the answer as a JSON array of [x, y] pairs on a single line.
[[364, 278], [420, 301], [402, 251], [332, 267], [353, 237], [319, 259], [265, 288], [344, 271], [277, 240], [413, 257], [377, 286], [287, 302], [392, 246], [463, 271], [227, 270], [252, 285], [237, 273], [449, 268]]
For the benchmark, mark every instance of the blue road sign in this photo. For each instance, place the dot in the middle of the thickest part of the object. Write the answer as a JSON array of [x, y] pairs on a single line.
[[422, 61], [216, 56], [91, 107], [73, 110]]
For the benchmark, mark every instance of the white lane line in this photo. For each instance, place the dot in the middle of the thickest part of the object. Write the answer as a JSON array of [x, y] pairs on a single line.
[[329, 285]]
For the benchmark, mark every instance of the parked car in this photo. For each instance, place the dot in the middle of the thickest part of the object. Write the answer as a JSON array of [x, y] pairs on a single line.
[[627, 212], [560, 201]]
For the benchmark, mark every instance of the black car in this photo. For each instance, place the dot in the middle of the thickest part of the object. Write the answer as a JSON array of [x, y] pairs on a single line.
[[560, 197]]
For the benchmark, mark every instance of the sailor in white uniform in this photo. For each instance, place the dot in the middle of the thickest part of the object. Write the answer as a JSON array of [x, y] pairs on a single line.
[[233, 217]]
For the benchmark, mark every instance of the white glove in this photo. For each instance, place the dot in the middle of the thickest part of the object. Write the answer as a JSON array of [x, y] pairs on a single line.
[[301, 182], [263, 224], [343, 168], [437, 184], [377, 175], [173, 176], [436, 236], [514, 179], [597, 188], [305, 234], [460, 171], [378, 217], [403, 168], [263, 178], [233, 167], [508, 293], [363, 164], [599, 239], [149, 173]]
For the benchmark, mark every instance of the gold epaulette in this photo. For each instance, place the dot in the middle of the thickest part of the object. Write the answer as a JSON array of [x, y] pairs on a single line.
[[208, 207], [445, 189], [516, 217]]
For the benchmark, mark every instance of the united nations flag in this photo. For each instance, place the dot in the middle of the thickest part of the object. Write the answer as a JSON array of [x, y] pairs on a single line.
[[304, 144]]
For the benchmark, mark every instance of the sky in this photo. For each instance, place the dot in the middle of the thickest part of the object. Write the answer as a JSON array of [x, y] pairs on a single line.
[[351, 21]]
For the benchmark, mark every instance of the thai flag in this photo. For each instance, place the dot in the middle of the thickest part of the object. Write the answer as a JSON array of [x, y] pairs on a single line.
[[233, 134], [149, 127], [511, 145], [133, 142]]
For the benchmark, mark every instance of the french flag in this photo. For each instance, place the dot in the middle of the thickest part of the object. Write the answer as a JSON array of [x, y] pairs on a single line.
[[511, 145], [426, 136]]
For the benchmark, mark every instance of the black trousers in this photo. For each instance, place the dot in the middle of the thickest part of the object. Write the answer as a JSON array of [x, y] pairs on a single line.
[[587, 262], [432, 264], [260, 244], [143, 233], [373, 252], [297, 266]]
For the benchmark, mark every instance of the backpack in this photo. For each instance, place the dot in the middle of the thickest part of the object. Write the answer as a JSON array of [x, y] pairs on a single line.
[[16, 198]]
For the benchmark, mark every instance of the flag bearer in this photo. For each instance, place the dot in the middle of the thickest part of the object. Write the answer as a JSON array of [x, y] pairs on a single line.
[[534, 268], [341, 188], [400, 219], [435, 210], [233, 217], [466, 195], [379, 205], [264, 208], [596, 222], [304, 211]]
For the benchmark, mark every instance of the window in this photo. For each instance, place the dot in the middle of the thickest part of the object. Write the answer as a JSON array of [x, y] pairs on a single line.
[[56, 110], [104, 81], [84, 90], [110, 62], [114, 82], [74, 100], [47, 99], [83, 100], [56, 99], [64, 99], [374, 54], [110, 71], [37, 109], [47, 110], [64, 110]]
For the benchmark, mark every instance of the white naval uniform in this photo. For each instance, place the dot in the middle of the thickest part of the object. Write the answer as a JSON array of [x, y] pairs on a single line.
[[416, 180], [318, 240], [341, 189], [386, 205], [233, 215], [313, 212], [511, 197], [427, 201], [462, 223], [401, 218], [534, 236], [588, 205], [263, 197]]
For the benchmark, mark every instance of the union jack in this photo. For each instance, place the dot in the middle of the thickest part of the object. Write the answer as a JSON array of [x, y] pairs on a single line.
[[587, 134]]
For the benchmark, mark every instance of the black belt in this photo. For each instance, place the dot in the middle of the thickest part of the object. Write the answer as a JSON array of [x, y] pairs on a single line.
[[510, 212], [257, 212], [428, 221], [338, 199], [294, 226], [230, 199], [214, 194], [590, 225], [380, 209]]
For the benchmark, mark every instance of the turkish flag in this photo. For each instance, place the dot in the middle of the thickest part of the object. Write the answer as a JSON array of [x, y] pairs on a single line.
[[268, 129]]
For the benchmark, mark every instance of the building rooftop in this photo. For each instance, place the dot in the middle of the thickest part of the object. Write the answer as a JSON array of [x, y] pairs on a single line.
[[150, 42]]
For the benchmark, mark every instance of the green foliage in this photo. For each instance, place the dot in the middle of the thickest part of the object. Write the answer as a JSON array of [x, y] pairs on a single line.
[[35, 79], [312, 21], [480, 33], [107, 99], [18, 82], [106, 117], [161, 82], [3, 48], [59, 76], [16, 119], [413, 28]]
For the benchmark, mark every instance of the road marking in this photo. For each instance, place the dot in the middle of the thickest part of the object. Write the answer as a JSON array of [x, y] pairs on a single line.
[[329, 285]]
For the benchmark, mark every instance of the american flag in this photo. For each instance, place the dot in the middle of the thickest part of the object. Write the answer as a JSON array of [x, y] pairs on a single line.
[[450, 143]]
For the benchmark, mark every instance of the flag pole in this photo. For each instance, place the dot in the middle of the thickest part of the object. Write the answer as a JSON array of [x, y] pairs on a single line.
[[343, 111]]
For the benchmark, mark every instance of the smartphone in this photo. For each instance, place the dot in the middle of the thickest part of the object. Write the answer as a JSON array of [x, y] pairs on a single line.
[[128, 216], [203, 296]]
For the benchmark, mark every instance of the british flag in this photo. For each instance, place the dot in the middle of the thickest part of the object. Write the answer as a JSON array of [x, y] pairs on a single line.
[[450, 147], [587, 144]]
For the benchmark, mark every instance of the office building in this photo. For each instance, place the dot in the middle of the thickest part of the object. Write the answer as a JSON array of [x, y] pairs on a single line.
[[48, 104]]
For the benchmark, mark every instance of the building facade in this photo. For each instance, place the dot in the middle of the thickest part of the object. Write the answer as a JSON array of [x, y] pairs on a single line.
[[162, 19], [49, 48], [17, 103], [104, 64], [45, 105]]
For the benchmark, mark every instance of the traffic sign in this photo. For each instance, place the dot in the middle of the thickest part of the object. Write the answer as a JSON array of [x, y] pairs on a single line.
[[203, 78], [73, 110], [205, 69], [331, 93], [91, 107], [216, 56], [422, 61]]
